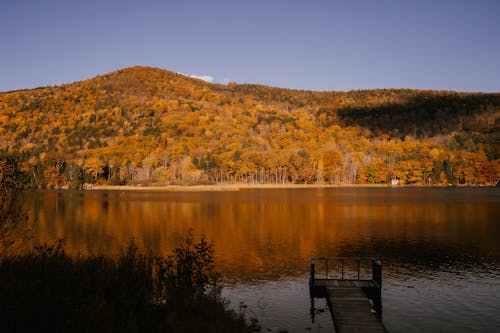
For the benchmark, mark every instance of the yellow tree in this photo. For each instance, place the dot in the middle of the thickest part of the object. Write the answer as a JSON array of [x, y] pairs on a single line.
[[94, 167], [333, 162]]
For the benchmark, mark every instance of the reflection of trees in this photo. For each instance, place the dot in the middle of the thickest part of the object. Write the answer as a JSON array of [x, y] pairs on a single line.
[[272, 232], [12, 226]]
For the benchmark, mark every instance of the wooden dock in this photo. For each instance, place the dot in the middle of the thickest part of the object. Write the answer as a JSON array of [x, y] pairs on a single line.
[[353, 292]]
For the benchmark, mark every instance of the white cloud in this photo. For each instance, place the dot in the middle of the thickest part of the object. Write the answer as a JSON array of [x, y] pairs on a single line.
[[206, 78]]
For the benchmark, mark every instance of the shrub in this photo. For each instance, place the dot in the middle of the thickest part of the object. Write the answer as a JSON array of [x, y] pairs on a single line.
[[47, 290]]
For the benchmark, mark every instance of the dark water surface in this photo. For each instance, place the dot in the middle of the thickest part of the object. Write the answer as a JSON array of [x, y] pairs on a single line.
[[440, 247]]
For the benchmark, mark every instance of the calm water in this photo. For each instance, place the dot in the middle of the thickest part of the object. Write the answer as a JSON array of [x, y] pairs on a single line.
[[440, 248]]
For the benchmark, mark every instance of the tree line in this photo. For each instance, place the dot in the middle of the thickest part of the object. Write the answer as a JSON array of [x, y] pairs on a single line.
[[144, 125]]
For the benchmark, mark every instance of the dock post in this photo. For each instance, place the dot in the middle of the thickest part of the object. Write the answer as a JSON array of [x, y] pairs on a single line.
[[342, 264], [377, 272], [312, 309], [311, 279], [377, 277]]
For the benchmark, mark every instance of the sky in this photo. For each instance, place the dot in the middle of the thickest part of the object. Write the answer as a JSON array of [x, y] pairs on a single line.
[[309, 44]]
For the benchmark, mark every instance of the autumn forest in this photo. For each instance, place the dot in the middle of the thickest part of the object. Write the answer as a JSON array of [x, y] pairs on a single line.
[[144, 126]]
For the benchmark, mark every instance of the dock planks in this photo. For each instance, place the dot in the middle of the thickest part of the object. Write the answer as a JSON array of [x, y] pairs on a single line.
[[355, 304], [352, 311]]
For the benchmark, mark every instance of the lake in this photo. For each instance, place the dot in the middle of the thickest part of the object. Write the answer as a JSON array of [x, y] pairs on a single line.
[[439, 247]]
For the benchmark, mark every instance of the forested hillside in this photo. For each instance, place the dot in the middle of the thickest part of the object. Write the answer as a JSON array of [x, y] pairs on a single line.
[[145, 125]]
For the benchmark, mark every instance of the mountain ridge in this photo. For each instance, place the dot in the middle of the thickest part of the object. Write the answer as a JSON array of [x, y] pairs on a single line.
[[290, 89]]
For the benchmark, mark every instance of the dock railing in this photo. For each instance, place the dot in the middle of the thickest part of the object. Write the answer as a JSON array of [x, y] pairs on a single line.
[[344, 268], [343, 272]]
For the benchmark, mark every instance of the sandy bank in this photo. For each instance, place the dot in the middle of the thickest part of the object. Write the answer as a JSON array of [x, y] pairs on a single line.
[[223, 187]]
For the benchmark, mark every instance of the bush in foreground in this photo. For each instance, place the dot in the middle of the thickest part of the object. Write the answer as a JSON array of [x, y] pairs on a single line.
[[46, 290]]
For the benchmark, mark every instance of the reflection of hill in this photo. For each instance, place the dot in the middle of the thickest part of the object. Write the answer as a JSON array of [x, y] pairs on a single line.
[[260, 234]]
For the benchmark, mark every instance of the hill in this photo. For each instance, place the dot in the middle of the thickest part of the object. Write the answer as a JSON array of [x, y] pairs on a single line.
[[144, 125]]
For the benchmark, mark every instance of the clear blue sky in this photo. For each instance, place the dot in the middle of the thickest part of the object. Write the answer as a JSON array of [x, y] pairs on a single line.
[[319, 45]]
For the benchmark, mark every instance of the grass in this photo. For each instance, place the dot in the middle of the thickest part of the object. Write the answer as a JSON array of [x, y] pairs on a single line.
[[47, 290]]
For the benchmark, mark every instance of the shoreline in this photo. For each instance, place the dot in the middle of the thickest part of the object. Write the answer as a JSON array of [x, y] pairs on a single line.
[[227, 187]]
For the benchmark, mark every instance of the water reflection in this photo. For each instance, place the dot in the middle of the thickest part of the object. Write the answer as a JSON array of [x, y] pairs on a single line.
[[262, 233], [440, 247]]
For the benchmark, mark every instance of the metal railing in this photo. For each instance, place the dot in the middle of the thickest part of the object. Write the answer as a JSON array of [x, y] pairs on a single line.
[[345, 268]]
